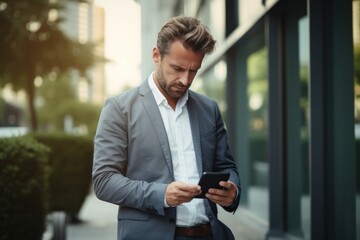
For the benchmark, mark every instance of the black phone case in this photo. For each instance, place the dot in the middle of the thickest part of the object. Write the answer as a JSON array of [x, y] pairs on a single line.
[[211, 180]]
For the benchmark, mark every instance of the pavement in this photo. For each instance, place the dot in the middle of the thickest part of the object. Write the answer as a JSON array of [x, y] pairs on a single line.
[[99, 221]]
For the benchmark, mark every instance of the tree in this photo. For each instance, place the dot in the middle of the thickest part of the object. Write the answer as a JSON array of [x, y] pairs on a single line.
[[32, 44], [357, 63], [52, 114]]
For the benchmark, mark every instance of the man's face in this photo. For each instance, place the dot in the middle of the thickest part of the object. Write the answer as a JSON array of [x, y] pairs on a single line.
[[176, 70]]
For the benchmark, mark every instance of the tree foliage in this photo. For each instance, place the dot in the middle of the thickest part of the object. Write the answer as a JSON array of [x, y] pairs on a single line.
[[357, 63], [32, 44], [59, 101]]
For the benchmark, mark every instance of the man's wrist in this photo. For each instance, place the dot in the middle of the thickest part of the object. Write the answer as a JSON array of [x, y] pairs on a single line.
[[236, 196]]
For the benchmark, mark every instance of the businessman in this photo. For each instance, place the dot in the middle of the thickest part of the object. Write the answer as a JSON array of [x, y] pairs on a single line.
[[154, 141]]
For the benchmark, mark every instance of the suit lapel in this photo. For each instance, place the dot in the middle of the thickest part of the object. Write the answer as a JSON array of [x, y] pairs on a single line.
[[157, 122], [195, 129]]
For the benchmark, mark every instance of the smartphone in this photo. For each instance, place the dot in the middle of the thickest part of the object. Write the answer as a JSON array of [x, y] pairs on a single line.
[[211, 180]]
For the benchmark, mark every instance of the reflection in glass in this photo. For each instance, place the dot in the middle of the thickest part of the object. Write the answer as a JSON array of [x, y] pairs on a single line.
[[356, 39], [258, 133], [212, 84], [298, 193]]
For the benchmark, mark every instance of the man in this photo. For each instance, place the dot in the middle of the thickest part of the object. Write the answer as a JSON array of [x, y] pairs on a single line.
[[154, 141]]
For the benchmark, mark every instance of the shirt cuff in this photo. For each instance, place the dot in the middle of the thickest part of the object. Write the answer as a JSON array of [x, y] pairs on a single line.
[[165, 203]]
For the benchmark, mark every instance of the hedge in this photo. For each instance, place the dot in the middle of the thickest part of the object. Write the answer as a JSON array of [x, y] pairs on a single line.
[[70, 163], [23, 185]]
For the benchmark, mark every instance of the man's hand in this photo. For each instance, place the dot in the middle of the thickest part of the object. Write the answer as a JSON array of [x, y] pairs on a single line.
[[224, 197], [178, 193]]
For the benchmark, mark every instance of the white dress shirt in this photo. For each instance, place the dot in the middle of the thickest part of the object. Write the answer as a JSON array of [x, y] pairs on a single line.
[[177, 125]]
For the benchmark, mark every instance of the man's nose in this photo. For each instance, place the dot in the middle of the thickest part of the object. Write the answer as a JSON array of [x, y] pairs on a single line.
[[185, 78]]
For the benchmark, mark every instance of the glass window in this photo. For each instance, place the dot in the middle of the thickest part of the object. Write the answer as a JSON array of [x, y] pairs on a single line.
[[304, 73], [252, 122], [356, 40], [212, 84], [258, 195], [298, 194]]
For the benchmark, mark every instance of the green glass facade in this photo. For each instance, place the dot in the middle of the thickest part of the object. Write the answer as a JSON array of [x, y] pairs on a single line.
[[290, 114]]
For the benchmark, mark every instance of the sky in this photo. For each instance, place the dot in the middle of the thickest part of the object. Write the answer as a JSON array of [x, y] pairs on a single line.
[[122, 43]]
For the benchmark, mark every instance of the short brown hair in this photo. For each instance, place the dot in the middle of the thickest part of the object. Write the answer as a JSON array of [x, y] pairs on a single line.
[[190, 31]]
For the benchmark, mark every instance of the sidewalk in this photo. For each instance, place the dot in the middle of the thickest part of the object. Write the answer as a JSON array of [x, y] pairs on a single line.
[[100, 220]]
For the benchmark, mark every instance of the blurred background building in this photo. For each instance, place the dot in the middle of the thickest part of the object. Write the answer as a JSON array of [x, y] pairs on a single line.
[[85, 22]]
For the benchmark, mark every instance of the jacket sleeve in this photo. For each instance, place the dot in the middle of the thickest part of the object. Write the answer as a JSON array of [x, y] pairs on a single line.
[[110, 165]]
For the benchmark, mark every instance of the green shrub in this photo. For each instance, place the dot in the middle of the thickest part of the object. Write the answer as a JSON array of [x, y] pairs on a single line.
[[70, 163], [22, 188]]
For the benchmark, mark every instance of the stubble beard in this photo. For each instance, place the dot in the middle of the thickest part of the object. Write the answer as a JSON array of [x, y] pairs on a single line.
[[166, 87]]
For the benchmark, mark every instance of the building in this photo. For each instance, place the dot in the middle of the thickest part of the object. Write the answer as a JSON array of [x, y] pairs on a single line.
[[283, 75], [85, 22]]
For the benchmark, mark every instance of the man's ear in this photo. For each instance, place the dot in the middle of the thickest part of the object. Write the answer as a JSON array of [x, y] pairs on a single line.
[[156, 55]]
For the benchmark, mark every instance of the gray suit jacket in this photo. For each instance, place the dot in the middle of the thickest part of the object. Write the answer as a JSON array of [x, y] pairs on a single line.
[[132, 161]]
